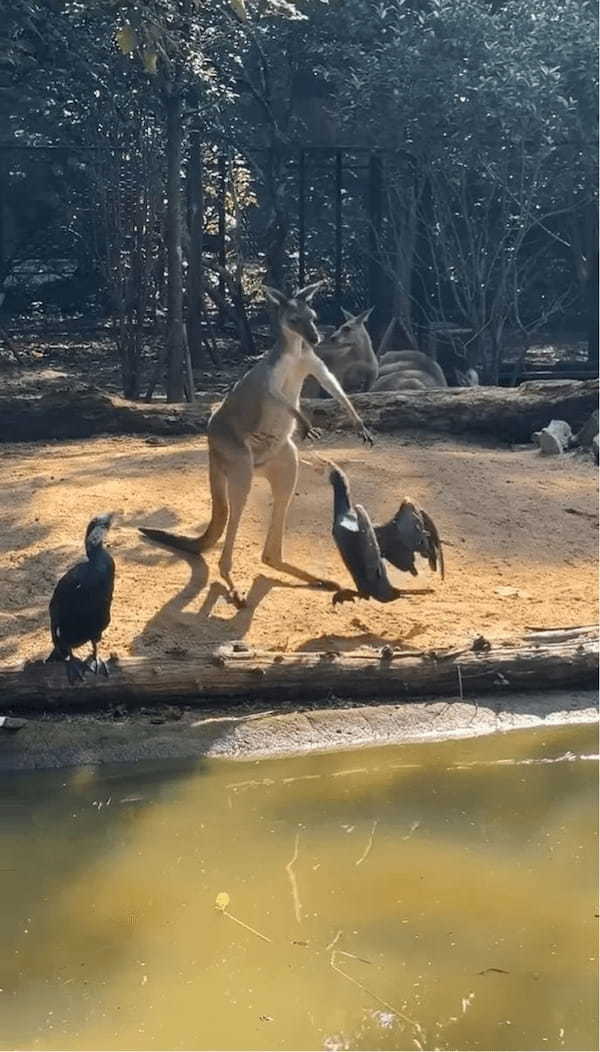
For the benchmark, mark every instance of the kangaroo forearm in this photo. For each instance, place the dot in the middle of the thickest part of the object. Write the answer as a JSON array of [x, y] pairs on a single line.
[[334, 388], [281, 400]]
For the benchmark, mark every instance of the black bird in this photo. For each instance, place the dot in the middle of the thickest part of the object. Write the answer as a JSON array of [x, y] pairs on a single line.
[[358, 546], [80, 604], [410, 532]]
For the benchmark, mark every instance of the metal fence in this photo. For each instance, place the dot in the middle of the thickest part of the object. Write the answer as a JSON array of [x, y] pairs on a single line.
[[333, 223]]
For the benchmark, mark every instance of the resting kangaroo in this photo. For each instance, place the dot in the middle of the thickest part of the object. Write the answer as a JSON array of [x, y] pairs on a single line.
[[348, 353], [252, 431], [408, 370]]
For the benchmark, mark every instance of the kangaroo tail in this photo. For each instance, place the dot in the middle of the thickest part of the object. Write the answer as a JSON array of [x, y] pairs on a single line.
[[173, 540], [218, 521]]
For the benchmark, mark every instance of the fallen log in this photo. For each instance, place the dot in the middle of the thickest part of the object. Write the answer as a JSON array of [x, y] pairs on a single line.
[[79, 411], [233, 671], [507, 414]]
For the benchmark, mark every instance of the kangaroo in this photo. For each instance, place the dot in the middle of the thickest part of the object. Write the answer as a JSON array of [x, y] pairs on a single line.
[[408, 370], [413, 360], [348, 353], [252, 431]]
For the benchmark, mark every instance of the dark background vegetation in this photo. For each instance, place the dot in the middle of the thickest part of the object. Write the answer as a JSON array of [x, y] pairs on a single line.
[[159, 160]]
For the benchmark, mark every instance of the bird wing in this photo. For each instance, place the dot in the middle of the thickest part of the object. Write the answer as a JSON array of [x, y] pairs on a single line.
[[67, 603], [399, 539], [369, 545], [411, 531], [409, 526], [436, 552], [80, 604]]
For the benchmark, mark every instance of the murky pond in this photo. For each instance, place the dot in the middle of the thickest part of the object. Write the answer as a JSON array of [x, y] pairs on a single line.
[[438, 896]]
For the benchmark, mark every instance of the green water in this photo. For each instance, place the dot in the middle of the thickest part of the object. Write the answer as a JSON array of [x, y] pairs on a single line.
[[438, 896]]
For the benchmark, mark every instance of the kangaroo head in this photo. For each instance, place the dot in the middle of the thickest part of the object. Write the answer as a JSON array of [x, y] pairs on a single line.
[[294, 314], [351, 328]]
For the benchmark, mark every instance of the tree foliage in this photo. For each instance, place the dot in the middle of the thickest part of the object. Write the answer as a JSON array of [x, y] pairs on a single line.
[[493, 104]]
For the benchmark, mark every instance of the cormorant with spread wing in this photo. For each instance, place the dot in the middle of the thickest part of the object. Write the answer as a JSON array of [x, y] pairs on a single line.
[[80, 605], [410, 532], [357, 544]]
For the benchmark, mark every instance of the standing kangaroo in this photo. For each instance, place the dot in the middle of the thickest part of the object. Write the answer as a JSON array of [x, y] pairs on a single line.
[[348, 353], [252, 430]]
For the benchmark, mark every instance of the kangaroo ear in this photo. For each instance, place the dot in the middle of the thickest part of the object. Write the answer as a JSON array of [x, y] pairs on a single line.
[[308, 291], [362, 318], [348, 316], [275, 296]]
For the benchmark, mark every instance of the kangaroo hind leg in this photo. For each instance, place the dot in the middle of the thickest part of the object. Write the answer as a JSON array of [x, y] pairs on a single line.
[[282, 474], [239, 479]]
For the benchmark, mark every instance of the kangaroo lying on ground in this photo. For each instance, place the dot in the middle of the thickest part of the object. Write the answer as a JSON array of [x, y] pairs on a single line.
[[412, 370], [348, 353], [252, 431], [408, 370]]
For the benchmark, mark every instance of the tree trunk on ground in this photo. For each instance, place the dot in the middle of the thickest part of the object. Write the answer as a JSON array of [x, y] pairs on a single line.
[[195, 287], [175, 330], [563, 659], [502, 413], [505, 414]]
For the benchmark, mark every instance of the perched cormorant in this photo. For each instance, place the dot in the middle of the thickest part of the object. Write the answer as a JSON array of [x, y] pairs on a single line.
[[410, 532], [80, 604], [358, 546]]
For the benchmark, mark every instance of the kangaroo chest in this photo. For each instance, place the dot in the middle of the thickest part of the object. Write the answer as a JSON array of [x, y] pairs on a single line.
[[276, 423]]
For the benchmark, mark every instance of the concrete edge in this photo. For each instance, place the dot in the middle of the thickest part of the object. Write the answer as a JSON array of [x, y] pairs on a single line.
[[252, 734]]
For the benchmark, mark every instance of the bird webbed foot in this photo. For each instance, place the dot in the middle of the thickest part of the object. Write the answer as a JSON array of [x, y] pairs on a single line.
[[76, 670], [97, 665]]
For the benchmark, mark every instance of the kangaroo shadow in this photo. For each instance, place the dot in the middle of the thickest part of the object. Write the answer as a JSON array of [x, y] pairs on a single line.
[[235, 628], [224, 628]]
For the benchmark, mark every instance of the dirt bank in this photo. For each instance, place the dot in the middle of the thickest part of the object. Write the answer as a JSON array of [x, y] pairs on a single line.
[[249, 733], [516, 556]]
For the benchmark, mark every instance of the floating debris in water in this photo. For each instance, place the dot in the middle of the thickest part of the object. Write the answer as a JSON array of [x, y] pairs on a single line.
[[367, 850], [293, 882], [221, 903]]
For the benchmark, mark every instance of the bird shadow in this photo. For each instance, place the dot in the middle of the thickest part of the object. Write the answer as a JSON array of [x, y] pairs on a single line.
[[341, 643]]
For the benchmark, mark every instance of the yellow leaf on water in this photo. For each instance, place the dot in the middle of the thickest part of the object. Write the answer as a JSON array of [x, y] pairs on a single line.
[[222, 900], [239, 6], [126, 39], [150, 59]]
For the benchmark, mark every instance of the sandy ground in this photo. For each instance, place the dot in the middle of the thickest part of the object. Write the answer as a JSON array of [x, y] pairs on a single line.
[[503, 513]]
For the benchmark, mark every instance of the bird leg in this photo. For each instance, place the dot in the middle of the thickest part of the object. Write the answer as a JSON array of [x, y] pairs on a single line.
[[75, 669], [96, 664]]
